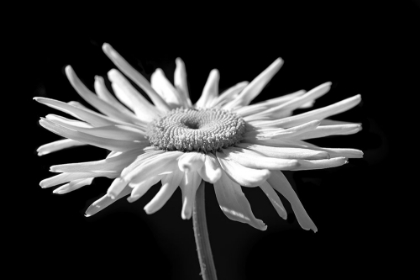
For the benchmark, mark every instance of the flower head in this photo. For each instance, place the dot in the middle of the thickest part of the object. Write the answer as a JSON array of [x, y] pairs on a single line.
[[220, 139]]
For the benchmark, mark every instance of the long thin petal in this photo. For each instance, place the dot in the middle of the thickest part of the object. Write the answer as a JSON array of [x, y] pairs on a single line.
[[256, 160], [301, 100], [115, 163], [73, 185], [169, 184], [109, 144], [93, 99], [140, 188], [255, 87], [244, 176], [117, 132], [287, 153], [210, 91], [279, 182], [127, 94], [229, 94], [86, 115], [57, 146], [274, 199], [128, 70], [180, 80], [318, 114], [234, 204], [105, 201], [166, 90], [106, 96], [327, 130], [321, 163], [281, 133], [67, 177]]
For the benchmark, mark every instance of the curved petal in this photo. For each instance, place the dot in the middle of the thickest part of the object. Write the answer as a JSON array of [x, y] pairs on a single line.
[[255, 160], [285, 152], [133, 99], [256, 86], [279, 182], [84, 114], [105, 201], [57, 146], [234, 204], [165, 89], [244, 176], [189, 185], [128, 70], [210, 171], [274, 199], [73, 185], [169, 184], [140, 188], [191, 161]]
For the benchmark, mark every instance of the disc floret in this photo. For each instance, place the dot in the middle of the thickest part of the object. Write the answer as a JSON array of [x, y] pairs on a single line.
[[201, 130]]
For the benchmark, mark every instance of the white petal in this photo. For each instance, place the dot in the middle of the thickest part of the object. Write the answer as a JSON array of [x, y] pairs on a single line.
[[280, 133], [110, 144], [319, 114], [86, 115], [166, 90], [327, 130], [210, 171], [320, 164], [105, 95], [180, 80], [244, 176], [191, 161], [189, 185], [117, 132], [279, 182], [115, 163], [67, 177], [210, 91], [127, 94], [255, 160], [286, 153], [57, 146], [73, 185], [301, 100], [141, 187], [169, 184], [255, 87], [94, 100], [274, 199], [234, 204], [104, 202], [229, 94], [128, 70], [154, 165]]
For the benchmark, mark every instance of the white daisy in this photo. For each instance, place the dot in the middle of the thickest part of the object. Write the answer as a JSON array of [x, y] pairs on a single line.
[[220, 139]]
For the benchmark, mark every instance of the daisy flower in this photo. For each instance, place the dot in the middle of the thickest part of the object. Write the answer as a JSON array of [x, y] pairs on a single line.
[[220, 139]]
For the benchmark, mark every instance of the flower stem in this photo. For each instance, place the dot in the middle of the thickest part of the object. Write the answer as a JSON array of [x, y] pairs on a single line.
[[208, 271]]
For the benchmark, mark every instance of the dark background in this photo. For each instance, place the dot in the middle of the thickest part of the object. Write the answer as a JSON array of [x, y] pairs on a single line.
[[365, 48]]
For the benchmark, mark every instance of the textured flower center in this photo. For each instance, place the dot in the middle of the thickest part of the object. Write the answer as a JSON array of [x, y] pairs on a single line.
[[202, 130]]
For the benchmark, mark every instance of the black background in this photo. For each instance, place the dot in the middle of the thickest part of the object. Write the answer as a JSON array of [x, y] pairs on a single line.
[[365, 48]]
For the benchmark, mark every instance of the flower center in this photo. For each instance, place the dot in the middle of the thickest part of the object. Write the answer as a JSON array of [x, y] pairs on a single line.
[[201, 130]]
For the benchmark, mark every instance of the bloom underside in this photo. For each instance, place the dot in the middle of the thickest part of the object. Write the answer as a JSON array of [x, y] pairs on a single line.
[[220, 139]]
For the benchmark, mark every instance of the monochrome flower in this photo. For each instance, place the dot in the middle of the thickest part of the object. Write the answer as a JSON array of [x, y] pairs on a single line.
[[220, 139]]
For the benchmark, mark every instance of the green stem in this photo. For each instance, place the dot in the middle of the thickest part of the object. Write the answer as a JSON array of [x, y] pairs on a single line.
[[208, 271]]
